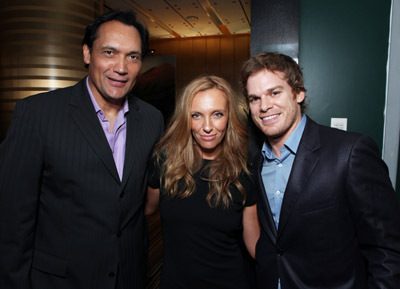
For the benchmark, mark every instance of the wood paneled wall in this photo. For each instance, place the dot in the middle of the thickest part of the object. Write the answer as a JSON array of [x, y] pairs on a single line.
[[219, 55], [41, 48]]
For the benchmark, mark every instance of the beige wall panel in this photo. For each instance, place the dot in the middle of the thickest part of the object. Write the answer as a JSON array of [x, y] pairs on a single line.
[[34, 83], [43, 61], [198, 62], [164, 46], [29, 72], [227, 59], [184, 68], [16, 95], [213, 58], [41, 48], [220, 55]]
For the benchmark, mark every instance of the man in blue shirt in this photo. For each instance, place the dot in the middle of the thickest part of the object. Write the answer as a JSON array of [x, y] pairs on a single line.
[[328, 213]]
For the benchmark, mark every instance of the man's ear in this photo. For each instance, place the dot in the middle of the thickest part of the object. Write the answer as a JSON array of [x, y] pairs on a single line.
[[86, 54], [300, 96]]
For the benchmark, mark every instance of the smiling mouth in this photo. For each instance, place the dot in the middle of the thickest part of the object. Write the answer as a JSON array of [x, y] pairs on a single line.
[[208, 137], [118, 82], [270, 117]]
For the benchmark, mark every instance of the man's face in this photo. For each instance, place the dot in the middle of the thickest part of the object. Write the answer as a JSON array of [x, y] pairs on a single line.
[[114, 62], [275, 109]]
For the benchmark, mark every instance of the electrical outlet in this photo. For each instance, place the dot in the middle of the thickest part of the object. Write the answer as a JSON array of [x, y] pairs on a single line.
[[340, 123]]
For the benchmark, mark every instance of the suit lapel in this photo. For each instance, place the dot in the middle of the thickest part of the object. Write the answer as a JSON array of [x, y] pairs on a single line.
[[133, 133], [82, 112], [303, 166], [263, 202]]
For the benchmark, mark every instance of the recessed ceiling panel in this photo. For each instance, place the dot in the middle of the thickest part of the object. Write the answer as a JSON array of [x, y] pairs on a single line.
[[188, 18], [233, 14], [193, 18]]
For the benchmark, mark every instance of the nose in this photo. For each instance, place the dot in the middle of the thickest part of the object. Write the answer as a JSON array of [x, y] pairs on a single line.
[[265, 103], [207, 126], [120, 66]]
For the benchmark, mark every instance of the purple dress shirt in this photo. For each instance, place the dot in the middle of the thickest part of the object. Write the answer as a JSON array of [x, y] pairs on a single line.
[[117, 138]]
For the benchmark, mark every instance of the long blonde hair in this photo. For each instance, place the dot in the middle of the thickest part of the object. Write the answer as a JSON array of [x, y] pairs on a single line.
[[180, 160]]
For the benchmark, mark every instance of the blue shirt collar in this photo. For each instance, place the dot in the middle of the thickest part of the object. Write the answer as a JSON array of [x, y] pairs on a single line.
[[292, 143]]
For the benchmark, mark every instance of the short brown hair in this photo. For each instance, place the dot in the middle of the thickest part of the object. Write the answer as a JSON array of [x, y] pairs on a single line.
[[274, 61]]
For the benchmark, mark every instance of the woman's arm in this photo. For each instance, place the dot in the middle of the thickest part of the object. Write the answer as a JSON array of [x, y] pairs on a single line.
[[153, 197], [251, 229]]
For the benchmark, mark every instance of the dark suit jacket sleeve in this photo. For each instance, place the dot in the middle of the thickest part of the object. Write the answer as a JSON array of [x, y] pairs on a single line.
[[20, 171], [376, 214]]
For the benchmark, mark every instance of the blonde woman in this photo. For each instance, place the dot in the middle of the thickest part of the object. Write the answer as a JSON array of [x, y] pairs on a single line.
[[201, 182]]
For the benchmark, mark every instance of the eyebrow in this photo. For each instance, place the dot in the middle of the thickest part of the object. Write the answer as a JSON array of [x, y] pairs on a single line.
[[135, 52], [115, 49], [108, 47], [268, 91], [214, 111]]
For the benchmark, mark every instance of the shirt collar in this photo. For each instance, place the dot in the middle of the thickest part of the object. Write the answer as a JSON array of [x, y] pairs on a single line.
[[125, 107], [292, 143]]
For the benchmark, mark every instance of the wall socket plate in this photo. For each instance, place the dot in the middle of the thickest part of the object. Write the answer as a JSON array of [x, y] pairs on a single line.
[[339, 123]]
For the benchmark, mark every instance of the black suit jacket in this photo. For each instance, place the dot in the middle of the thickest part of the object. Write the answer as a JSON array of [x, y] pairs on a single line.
[[340, 218], [66, 219]]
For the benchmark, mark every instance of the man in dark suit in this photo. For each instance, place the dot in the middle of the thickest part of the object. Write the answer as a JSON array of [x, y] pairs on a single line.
[[73, 172], [328, 213]]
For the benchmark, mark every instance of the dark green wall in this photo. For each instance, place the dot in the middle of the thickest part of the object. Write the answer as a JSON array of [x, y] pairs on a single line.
[[343, 53], [398, 179]]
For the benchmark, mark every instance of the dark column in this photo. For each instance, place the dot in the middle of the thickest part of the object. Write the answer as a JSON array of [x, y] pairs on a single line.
[[275, 26]]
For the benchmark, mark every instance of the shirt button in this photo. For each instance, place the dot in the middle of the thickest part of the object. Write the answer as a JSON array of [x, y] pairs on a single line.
[[278, 192], [280, 165], [280, 252]]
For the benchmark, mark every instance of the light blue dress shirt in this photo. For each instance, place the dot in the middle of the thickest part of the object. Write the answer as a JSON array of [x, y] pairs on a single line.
[[275, 172]]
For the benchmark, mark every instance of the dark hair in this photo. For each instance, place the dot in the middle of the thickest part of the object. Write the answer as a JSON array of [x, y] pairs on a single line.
[[124, 16], [274, 61]]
